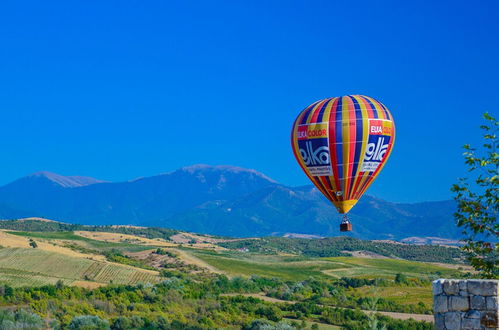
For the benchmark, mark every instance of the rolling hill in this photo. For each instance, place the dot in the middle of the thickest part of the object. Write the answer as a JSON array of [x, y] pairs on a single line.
[[221, 200], [123, 274]]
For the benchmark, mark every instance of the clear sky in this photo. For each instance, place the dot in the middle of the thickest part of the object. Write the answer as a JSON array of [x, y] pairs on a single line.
[[122, 89]]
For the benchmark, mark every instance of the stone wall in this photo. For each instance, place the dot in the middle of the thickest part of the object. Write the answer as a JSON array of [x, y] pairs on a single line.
[[466, 304]]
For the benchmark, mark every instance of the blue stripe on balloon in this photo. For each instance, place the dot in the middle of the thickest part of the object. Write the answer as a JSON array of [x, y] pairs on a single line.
[[321, 113], [374, 109], [308, 110]]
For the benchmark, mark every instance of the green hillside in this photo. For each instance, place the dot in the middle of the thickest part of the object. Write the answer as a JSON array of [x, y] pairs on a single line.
[[340, 246], [300, 267], [222, 283]]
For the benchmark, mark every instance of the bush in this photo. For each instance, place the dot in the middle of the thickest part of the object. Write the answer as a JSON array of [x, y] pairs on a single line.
[[20, 320], [88, 322]]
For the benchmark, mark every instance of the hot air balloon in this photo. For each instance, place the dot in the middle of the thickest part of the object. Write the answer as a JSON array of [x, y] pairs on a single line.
[[341, 144]]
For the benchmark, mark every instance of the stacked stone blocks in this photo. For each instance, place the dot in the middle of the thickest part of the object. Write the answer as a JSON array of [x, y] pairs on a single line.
[[466, 304]]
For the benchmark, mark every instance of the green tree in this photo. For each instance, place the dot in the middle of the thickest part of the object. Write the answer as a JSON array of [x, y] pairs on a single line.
[[20, 319], [88, 322], [400, 278], [8, 291], [478, 203], [32, 243], [59, 284]]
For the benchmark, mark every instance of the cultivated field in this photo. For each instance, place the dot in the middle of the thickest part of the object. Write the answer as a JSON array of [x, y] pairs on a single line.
[[28, 266], [300, 268], [83, 263], [123, 238]]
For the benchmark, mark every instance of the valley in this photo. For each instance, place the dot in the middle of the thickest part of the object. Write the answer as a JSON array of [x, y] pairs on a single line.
[[271, 270]]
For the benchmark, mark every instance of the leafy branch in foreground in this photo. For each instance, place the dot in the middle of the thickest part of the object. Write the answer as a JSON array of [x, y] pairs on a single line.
[[478, 204]]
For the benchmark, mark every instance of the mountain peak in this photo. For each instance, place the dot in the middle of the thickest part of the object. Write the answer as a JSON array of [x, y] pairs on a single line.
[[224, 168], [63, 181]]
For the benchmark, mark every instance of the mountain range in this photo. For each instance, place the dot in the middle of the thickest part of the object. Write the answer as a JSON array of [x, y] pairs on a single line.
[[221, 200]]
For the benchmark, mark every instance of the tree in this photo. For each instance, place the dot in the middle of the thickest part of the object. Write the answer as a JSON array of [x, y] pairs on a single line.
[[32, 243], [8, 291], [20, 319], [88, 322], [400, 278], [59, 284], [478, 204]]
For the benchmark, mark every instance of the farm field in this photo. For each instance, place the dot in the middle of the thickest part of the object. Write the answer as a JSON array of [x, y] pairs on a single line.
[[400, 294], [300, 268], [27, 266], [371, 267], [192, 240], [92, 259], [84, 241], [244, 264]]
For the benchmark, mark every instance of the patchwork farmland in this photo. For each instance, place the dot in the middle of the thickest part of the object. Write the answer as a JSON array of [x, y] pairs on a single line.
[[23, 266]]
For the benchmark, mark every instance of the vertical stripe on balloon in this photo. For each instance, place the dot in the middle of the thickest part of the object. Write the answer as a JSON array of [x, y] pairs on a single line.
[[307, 111], [358, 142], [338, 137]]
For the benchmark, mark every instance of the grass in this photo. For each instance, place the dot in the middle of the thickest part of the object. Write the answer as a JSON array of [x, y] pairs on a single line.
[[299, 268], [368, 268], [21, 266], [403, 295], [247, 264], [66, 235], [322, 326]]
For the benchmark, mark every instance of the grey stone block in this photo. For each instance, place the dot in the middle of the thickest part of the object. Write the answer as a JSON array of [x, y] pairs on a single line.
[[492, 303], [471, 324], [483, 287], [472, 314], [464, 293], [440, 304], [458, 303], [437, 287], [453, 320], [463, 285], [439, 321], [478, 302], [451, 287]]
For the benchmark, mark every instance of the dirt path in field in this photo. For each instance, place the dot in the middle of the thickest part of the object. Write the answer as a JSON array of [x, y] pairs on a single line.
[[331, 272], [395, 315], [406, 316], [367, 254], [192, 260], [261, 296]]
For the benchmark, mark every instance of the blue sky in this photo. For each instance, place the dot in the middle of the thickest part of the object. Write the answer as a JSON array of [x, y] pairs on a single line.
[[121, 89]]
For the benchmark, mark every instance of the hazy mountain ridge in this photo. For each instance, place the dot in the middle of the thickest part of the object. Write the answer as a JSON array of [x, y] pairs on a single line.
[[221, 200]]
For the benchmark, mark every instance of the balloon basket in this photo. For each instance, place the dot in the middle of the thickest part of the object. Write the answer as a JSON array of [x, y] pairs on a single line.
[[345, 225]]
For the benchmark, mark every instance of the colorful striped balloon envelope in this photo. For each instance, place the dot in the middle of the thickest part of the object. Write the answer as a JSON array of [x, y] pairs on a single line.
[[342, 143]]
